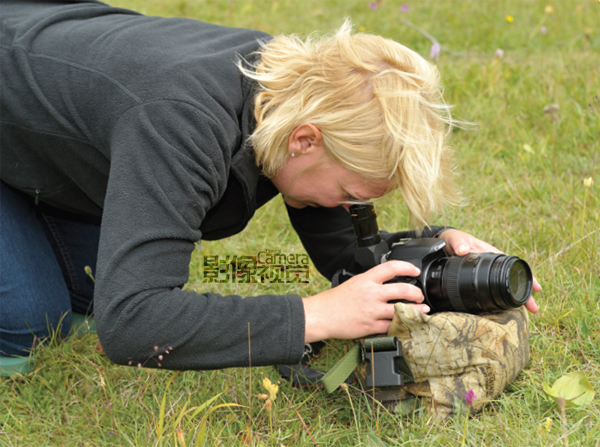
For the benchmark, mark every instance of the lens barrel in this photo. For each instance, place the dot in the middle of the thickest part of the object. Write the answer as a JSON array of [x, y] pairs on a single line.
[[477, 282]]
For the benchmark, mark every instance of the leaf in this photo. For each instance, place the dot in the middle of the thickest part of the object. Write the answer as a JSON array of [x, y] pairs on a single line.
[[407, 407], [584, 328], [372, 440], [180, 437], [204, 405], [201, 438], [182, 413], [161, 413], [574, 388], [527, 148]]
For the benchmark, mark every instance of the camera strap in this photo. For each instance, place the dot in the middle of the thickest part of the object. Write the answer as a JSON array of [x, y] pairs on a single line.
[[341, 276]]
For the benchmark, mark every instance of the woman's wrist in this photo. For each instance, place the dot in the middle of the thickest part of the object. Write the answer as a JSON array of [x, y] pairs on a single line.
[[315, 328]]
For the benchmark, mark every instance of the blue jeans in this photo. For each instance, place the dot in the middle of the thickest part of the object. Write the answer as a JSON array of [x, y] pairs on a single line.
[[43, 254]]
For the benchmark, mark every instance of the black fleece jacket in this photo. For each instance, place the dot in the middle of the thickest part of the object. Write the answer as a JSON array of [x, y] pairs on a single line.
[[143, 122]]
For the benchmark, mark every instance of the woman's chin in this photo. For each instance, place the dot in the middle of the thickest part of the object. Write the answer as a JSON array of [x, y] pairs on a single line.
[[295, 203]]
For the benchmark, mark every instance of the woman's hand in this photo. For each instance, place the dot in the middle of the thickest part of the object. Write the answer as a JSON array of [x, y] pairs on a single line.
[[460, 243], [359, 307]]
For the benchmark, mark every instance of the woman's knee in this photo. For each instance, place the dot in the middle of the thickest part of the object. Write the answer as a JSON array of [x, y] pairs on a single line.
[[33, 295]]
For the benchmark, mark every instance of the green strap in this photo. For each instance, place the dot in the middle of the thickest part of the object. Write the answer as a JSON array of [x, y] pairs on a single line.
[[342, 369]]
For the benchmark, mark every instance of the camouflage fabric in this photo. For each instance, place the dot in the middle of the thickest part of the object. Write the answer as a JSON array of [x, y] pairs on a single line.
[[452, 353]]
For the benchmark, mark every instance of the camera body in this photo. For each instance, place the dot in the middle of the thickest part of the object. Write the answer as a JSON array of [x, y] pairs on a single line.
[[474, 283]]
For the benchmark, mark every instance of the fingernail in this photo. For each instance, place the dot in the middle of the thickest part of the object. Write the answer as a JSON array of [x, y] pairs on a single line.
[[426, 309], [463, 248], [418, 270]]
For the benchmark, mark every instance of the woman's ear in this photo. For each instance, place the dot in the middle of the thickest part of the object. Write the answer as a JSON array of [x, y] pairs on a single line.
[[304, 139]]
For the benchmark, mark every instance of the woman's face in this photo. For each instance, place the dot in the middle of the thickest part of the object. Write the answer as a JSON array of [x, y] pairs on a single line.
[[311, 178]]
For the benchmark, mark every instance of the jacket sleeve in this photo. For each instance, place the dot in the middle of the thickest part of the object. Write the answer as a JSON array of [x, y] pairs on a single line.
[[169, 165], [328, 237]]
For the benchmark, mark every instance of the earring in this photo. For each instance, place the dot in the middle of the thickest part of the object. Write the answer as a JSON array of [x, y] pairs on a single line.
[[293, 154]]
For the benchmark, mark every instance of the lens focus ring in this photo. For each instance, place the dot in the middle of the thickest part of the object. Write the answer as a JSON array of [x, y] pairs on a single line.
[[451, 283]]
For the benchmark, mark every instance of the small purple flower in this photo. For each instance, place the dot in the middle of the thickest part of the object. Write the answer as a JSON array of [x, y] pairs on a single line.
[[470, 397], [543, 30], [404, 8], [373, 5], [435, 51]]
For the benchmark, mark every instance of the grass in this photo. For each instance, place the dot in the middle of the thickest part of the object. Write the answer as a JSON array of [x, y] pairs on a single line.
[[522, 174]]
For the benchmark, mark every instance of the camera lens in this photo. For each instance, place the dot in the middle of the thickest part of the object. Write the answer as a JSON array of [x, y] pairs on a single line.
[[518, 280], [477, 282]]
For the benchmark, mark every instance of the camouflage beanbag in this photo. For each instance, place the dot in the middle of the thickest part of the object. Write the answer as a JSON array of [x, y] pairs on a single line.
[[455, 356]]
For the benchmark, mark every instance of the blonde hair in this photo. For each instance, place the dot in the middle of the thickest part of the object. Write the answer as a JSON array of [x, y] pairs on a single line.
[[378, 105]]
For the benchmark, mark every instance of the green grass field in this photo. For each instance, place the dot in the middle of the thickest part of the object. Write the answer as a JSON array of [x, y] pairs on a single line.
[[530, 181]]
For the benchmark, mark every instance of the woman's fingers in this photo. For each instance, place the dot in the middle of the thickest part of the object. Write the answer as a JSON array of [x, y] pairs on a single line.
[[532, 306], [460, 243], [396, 290], [402, 291], [388, 270], [360, 306], [363, 305], [423, 308]]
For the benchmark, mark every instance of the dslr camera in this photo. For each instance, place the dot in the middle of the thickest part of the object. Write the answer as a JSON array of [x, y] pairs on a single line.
[[474, 283]]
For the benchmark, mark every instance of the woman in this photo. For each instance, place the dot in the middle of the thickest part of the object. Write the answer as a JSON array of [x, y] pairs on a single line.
[[125, 139]]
